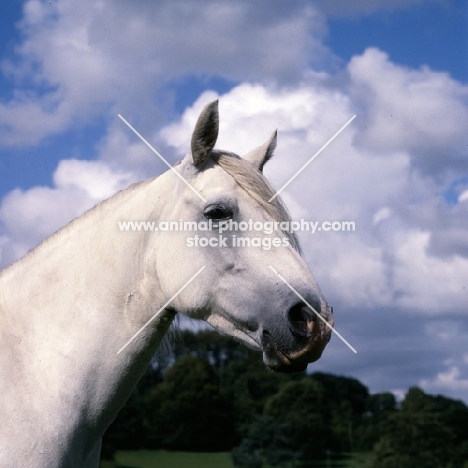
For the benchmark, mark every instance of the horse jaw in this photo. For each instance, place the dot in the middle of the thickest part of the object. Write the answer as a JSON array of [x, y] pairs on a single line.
[[241, 334]]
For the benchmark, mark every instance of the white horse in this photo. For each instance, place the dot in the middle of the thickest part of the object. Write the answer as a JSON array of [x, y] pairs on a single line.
[[70, 305]]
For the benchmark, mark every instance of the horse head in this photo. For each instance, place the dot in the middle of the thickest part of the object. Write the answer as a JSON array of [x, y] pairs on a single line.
[[256, 286]]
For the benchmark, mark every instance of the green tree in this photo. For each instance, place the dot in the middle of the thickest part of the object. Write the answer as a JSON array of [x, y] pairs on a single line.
[[266, 444], [187, 412], [128, 431], [211, 346], [340, 388], [244, 380], [302, 408], [248, 384], [420, 435], [346, 399], [318, 412], [379, 407]]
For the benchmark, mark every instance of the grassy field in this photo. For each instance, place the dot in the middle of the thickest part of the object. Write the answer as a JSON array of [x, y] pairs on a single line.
[[350, 460], [163, 459]]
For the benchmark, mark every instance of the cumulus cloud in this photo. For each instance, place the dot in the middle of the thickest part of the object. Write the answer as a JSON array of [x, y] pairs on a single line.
[[88, 58], [419, 111], [463, 197], [29, 216], [449, 380], [448, 361]]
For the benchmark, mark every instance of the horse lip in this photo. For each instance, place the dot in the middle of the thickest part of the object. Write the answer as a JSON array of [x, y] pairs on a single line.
[[283, 362], [313, 345]]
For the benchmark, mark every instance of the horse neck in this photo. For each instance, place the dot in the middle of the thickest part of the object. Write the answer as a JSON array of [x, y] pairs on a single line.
[[68, 307]]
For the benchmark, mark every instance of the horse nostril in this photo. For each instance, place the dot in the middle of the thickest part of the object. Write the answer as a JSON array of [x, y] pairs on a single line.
[[300, 316]]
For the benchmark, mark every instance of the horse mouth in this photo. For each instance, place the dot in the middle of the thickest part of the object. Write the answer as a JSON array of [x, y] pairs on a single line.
[[276, 360], [310, 336]]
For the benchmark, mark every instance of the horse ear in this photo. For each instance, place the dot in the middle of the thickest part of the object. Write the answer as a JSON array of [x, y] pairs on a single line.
[[260, 155], [205, 134]]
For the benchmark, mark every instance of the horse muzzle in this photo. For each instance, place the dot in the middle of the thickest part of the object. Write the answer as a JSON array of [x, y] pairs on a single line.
[[309, 331]]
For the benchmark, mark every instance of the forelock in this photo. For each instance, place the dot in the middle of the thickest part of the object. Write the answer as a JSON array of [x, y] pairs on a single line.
[[255, 184]]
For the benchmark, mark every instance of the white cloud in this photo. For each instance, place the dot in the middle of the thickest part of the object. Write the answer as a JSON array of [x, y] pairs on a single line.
[[381, 215], [419, 111], [463, 197], [447, 362], [79, 60], [30, 216], [449, 381], [429, 284], [93, 177], [4, 240]]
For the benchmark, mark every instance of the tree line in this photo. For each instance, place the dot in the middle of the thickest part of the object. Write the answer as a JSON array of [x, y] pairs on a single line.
[[210, 393]]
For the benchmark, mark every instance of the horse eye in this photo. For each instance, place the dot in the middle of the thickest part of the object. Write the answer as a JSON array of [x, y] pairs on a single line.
[[218, 213]]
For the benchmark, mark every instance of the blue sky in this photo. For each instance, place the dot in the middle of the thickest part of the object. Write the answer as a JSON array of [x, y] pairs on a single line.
[[433, 34], [399, 284]]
